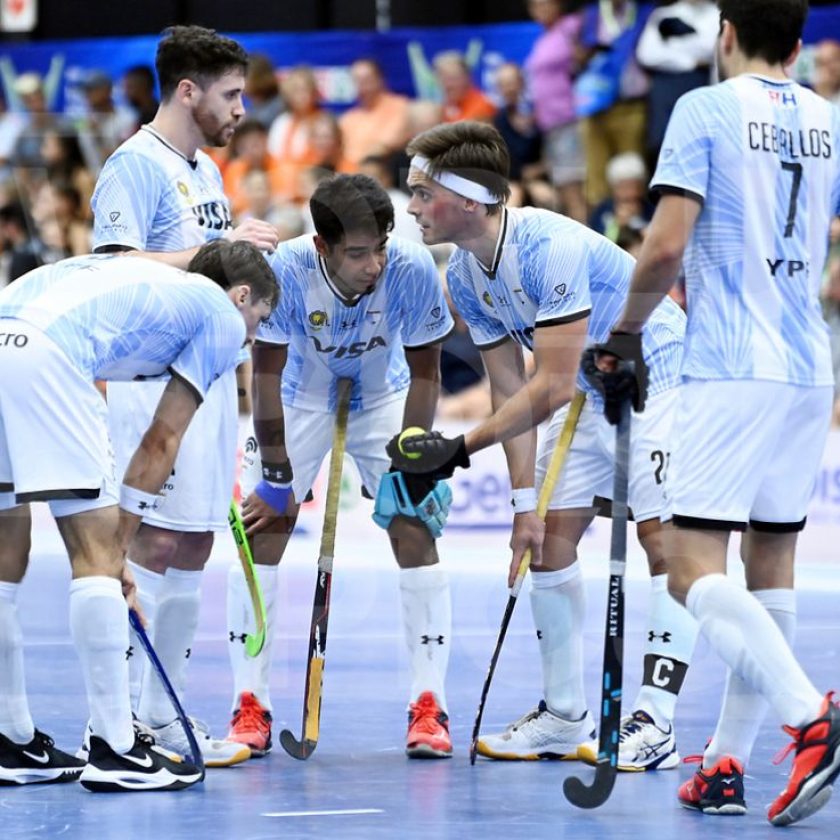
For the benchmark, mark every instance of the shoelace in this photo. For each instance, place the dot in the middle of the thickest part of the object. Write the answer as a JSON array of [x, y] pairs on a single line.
[[630, 727], [693, 759], [425, 717], [145, 739], [250, 715], [43, 739]]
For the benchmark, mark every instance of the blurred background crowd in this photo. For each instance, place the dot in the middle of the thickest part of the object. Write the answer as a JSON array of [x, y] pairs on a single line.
[[583, 115]]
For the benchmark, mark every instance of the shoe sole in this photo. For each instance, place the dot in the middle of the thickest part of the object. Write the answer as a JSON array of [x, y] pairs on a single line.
[[731, 809], [812, 795], [238, 757], [52, 776], [110, 781], [487, 752], [426, 751]]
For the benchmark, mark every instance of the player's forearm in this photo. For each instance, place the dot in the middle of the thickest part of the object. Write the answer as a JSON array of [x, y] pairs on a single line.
[[520, 451], [652, 280], [421, 402], [269, 423]]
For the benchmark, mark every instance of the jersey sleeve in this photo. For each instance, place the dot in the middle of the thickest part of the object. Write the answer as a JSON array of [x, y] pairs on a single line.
[[213, 350], [275, 330], [556, 278], [426, 318], [685, 156], [125, 201], [485, 331]]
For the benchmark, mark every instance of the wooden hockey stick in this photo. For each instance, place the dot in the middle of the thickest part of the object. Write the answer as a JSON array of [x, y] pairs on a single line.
[[303, 748], [558, 458]]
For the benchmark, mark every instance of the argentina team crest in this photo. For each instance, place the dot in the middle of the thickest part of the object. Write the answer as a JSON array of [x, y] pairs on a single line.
[[318, 319]]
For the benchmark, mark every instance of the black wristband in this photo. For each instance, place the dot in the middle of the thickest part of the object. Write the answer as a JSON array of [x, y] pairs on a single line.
[[277, 473]]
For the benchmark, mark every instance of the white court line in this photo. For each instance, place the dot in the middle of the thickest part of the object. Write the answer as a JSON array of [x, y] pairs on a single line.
[[350, 812]]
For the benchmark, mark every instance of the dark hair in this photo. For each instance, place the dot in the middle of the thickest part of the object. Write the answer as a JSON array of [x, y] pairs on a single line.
[[14, 214], [347, 203], [473, 150], [144, 72], [768, 29], [195, 53], [233, 263]]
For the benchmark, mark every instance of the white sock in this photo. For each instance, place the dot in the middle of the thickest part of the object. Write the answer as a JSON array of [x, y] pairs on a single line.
[[148, 586], [669, 643], [427, 623], [558, 604], [99, 627], [748, 640], [743, 708], [178, 605], [250, 673], [15, 720]]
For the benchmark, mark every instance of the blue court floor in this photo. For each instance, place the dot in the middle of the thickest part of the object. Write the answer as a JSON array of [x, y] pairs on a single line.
[[358, 783]]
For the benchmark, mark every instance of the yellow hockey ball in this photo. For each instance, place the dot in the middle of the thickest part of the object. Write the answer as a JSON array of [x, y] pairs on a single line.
[[411, 431]]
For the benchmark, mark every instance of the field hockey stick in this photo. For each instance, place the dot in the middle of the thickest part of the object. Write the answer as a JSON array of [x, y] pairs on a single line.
[[145, 643], [303, 748], [558, 458], [253, 642], [606, 767]]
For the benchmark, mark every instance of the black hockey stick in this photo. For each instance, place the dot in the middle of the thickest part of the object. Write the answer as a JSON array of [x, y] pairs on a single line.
[[303, 748], [137, 627], [558, 458], [606, 767]]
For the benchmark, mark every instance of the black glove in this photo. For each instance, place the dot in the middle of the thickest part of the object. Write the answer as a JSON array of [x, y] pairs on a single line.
[[438, 456], [671, 27], [629, 380]]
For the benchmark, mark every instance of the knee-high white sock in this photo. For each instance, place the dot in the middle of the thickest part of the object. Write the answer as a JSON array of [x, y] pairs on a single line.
[[669, 644], [148, 587], [178, 605], [558, 604], [99, 627], [744, 708], [427, 622], [748, 640], [15, 720], [250, 674]]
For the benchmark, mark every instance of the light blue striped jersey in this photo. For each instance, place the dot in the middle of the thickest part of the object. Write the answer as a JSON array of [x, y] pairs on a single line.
[[553, 270], [123, 318], [762, 157], [329, 339], [150, 197]]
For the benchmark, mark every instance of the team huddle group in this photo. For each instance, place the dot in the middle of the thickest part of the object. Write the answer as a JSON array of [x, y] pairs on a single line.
[[731, 408]]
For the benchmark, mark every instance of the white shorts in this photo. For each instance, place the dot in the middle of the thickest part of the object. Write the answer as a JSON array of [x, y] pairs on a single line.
[[309, 437], [588, 472], [53, 428], [746, 451], [198, 493]]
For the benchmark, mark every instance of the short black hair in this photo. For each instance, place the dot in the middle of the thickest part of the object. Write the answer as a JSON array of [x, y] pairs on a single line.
[[347, 203], [768, 29], [144, 72], [230, 264], [195, 53], [14, 214]]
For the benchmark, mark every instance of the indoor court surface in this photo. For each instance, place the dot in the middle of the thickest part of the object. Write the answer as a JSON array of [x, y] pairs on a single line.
[[358, 783]]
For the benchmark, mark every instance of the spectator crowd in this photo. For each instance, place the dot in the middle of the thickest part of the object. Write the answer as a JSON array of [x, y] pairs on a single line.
[[583, 117]]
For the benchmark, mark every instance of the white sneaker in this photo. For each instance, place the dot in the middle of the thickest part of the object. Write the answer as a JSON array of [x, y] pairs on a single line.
[[139, 729], [642, 745], [216, 752], [539, 734]]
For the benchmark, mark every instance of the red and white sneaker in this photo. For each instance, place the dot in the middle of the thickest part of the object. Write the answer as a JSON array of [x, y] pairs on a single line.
[[251, 725], [428, 729], [718, 789], [815, 766]]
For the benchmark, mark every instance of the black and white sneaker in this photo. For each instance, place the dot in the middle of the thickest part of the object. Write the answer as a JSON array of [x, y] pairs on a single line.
[[38, 762], [143, 767]]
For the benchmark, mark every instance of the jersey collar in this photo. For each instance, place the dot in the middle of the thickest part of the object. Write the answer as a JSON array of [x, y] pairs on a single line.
[[158, 136], [346, 301], [497, 254]]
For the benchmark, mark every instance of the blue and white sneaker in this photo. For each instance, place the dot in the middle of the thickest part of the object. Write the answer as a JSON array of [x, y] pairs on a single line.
[[643, 745]]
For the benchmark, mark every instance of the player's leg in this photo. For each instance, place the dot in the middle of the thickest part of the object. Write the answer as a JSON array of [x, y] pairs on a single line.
[[424, 585], [648, 740], [308, 439], [561, 722]]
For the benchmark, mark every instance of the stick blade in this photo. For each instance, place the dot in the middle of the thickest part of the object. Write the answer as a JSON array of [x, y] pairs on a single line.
[[300, 750], [254, 643], [594, 795]]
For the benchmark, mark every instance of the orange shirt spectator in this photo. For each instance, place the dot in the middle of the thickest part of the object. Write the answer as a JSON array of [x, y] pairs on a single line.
[[462, 100], [249, 149], [377, 124]]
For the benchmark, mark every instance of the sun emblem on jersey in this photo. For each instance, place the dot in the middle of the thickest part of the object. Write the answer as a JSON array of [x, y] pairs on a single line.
[[318, 318], [488, 300], [183, 189]]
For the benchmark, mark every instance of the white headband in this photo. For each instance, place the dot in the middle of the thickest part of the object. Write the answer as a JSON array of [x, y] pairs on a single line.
[[462, 186]]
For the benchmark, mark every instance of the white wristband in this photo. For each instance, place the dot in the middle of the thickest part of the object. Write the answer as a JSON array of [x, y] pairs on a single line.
[[523, 499], [137, 501]]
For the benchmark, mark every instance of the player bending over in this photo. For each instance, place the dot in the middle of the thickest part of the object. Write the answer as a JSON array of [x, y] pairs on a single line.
[[749, 176], [355, 305], [535, 279], [64, 326]]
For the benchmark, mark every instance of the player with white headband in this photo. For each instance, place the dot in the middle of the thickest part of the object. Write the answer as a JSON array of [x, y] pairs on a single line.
[[533, 279]]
